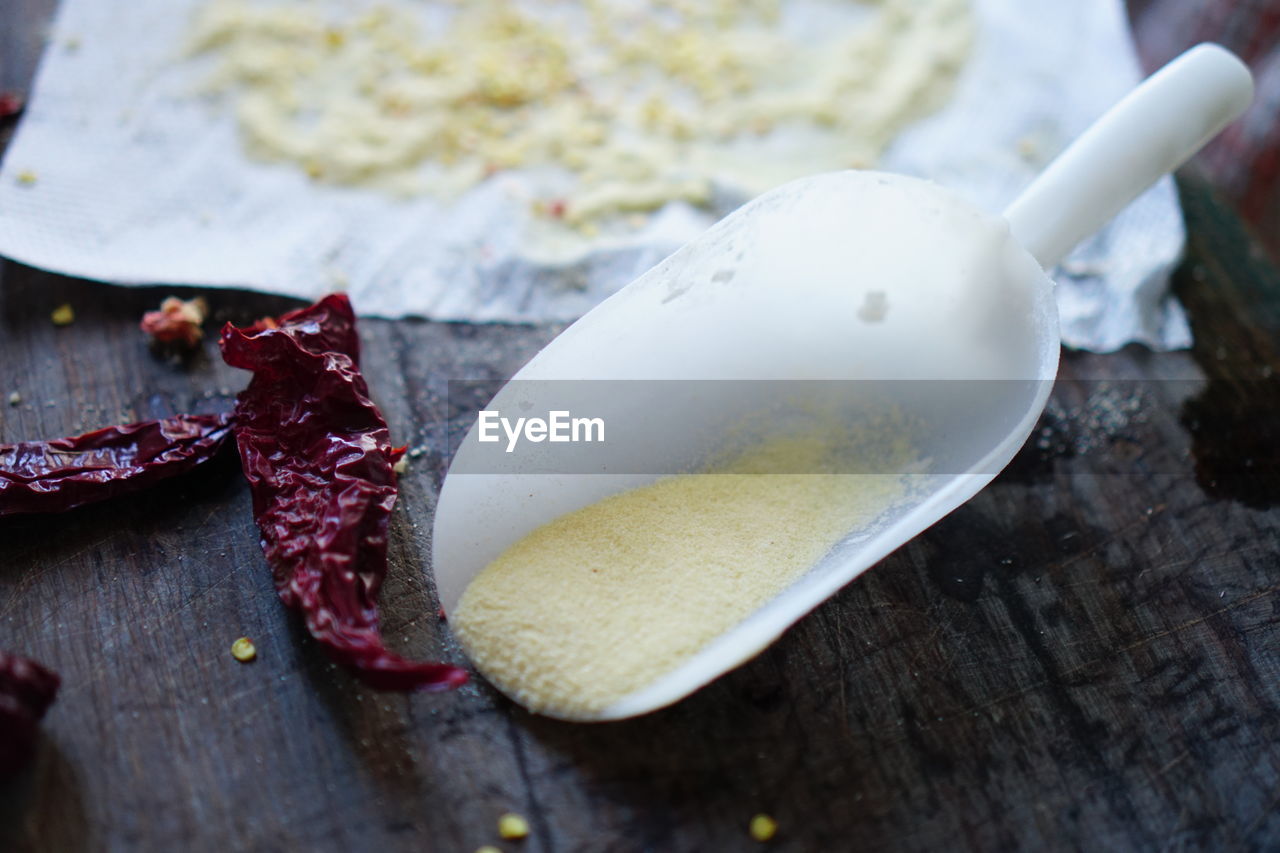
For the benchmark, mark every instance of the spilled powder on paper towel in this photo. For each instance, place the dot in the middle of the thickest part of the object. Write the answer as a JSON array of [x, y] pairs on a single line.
[[604, 600], [634, 104]]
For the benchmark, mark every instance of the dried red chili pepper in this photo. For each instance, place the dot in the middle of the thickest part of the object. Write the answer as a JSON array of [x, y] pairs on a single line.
[[27, 690], [318, 457], [52, 476], [11, 104]]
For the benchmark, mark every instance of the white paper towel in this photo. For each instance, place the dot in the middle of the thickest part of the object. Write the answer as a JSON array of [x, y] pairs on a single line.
[[141, 182]]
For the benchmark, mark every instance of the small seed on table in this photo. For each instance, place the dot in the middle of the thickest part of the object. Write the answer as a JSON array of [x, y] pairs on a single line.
[[763, 827], [512, 826], [63, 315], [243, 650]]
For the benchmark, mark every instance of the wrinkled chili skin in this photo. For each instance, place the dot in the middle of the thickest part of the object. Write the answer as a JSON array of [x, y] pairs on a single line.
[[57, 475], [318, 457], [27, 689]]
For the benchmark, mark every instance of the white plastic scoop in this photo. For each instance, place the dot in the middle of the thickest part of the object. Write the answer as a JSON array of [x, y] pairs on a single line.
[[845, 276]]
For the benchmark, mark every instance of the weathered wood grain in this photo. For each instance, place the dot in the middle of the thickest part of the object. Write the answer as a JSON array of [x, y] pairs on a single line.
[[1086, 656]]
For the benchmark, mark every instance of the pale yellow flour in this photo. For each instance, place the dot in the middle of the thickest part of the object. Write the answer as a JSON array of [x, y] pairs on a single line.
[[603, 601], [636, 103]]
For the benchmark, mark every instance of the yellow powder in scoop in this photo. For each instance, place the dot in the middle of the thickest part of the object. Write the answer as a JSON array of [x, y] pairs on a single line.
[[604, 600]]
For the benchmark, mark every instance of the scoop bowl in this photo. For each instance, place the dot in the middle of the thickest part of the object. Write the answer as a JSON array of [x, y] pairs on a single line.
[[869, 293]]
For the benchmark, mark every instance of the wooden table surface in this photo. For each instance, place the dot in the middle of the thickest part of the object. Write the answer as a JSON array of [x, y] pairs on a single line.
[[1085, 656]]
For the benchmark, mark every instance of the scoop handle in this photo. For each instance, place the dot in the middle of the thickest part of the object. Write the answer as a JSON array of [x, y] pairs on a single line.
[[1150, 132]]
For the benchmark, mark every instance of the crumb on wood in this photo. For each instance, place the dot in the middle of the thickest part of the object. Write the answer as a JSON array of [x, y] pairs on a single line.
[[763, 827], [512, 826], [177, 323], [244, 650]]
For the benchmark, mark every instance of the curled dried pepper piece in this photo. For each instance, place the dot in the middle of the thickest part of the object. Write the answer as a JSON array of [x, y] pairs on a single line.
[[11, 103], [57, 475], [27, 689], [318, 457]]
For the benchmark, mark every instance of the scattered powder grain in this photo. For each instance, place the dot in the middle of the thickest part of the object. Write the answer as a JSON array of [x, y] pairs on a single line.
[[244, 650], [513, 827], [63, 315], [605, 600], [763, 828]]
